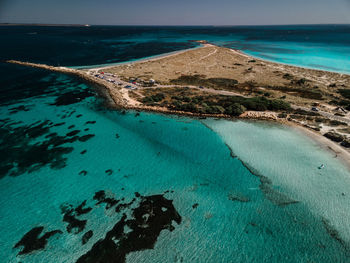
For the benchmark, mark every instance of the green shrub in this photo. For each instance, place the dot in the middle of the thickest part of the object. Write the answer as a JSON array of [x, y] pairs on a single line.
[[301, 81], [153, 98], [282, 115], [345, 93], [279, 105], [215, 109], [235, 109], [256, 103], [186, 99]]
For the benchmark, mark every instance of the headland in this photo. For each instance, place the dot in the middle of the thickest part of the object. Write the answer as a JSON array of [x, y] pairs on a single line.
[[212, 81]]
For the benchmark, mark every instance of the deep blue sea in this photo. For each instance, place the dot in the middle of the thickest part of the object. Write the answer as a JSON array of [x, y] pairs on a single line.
[[80, 182]]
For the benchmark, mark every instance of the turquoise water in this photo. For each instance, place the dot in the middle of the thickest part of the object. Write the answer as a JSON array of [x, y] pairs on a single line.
[[229, 213], [309, 55]]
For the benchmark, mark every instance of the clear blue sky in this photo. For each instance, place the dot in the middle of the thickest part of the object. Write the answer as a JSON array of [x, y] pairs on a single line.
[[176, 12]]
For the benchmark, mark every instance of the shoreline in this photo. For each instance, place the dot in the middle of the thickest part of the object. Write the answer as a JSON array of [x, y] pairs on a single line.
[[116, 94], [286, 64], [340, 153]]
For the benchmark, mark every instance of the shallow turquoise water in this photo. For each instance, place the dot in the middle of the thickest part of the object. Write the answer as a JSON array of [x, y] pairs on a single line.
[[305, 54], [240, 216]]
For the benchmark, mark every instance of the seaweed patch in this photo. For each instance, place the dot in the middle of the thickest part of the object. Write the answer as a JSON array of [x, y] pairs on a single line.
[[81, 209], [86, 137], [334, 234], [90, 122], [238, 197], [83, 173], [59, 124], [154, 214], [147, 217], [74, 224], [31, 157], [72, 97], [31, 241], [86, 237], [109, 171], [266, 187], [73, 133], [101, 197], [18, 109]]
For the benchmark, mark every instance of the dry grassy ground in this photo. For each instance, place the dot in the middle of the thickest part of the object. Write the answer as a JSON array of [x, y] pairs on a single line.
[[222, 68]]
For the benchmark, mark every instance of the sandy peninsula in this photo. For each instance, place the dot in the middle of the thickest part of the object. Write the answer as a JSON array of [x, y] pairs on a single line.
[[212, 81]]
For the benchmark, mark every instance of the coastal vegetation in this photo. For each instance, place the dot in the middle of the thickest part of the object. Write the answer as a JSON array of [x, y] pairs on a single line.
[[189, 101], [201, 80]]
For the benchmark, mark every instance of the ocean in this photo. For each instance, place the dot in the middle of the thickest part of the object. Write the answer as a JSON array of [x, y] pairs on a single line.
[[77, 177]]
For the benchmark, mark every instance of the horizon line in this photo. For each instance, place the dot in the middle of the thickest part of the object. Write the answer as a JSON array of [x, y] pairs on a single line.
[[159, 25]]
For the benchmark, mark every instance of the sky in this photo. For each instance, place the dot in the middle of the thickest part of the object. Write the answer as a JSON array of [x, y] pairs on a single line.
[[176, 12]]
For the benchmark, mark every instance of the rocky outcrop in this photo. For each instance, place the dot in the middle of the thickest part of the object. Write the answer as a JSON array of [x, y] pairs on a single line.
[[261, 115]]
